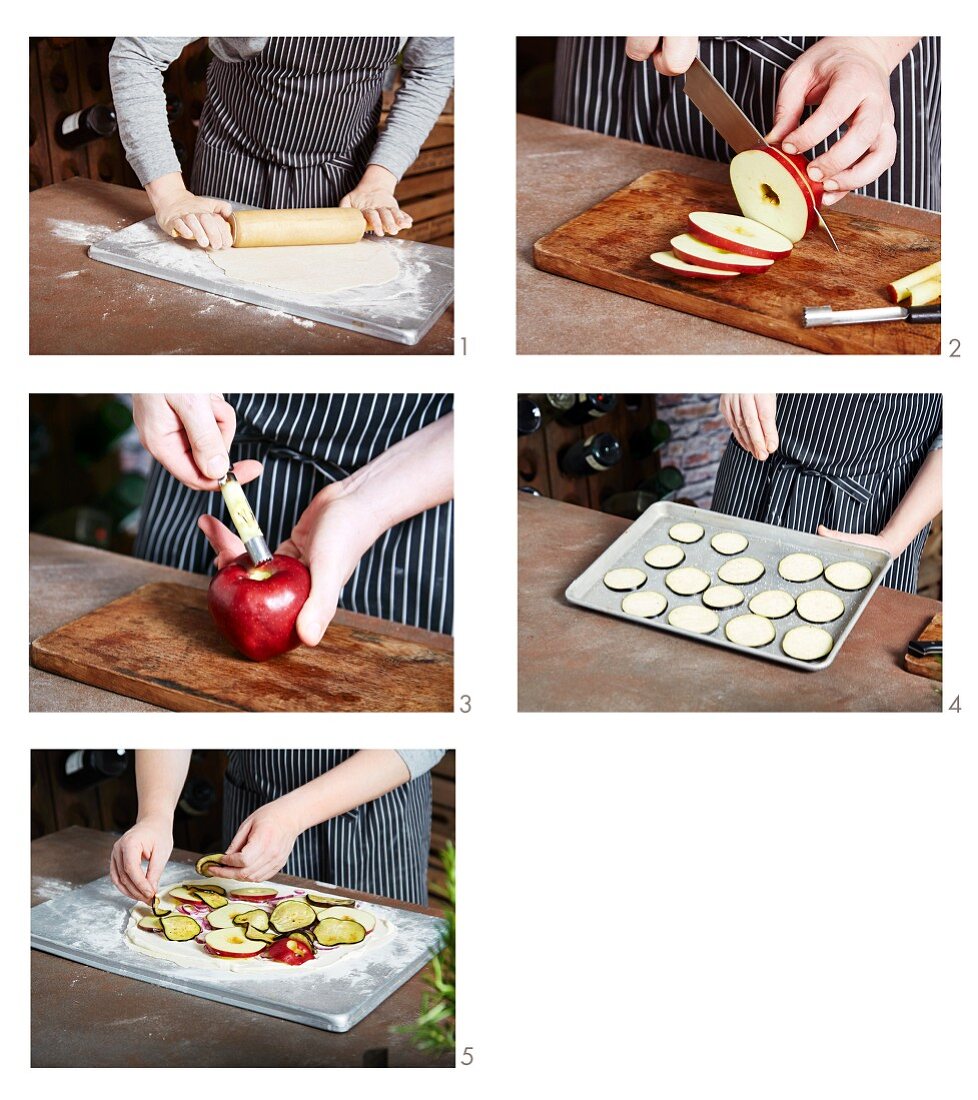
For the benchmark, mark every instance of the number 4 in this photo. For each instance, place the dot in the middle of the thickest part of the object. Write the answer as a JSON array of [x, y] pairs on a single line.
[[956, 705]]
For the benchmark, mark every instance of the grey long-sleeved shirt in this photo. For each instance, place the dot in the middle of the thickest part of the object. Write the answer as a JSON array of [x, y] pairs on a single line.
[[419, 761], [136, 67]]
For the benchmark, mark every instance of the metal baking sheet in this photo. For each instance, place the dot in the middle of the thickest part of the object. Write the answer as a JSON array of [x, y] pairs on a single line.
[[401, 311], [767, 543], [87, 925]]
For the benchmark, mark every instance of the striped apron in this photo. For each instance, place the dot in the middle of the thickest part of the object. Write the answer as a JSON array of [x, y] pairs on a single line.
[[845, 460], [307, 441], [293, 126], [380, 847], [597, 87]]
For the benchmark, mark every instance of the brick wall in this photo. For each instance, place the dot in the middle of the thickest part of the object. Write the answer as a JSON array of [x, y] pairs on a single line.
[[699, 438]]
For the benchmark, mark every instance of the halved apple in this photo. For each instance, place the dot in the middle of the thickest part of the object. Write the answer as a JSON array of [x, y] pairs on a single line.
[[693, 271], [738, 234], [772, 188], [231, 943], [694, 251]]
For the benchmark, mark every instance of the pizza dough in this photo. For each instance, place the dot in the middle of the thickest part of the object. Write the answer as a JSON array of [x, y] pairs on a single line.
[[692, 617], [665, 556], [800, 567], [729, 542], [687, 581], [625, 579], [644, 605], [723, 595], [311, 269], [750, 630], [850, 576], [686, 532], [192, 954], [775, 603], [807, 643], [740, 571], [819, 606]]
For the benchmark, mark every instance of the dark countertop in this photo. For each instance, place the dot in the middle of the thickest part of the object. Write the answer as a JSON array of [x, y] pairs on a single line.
[[571, 659]]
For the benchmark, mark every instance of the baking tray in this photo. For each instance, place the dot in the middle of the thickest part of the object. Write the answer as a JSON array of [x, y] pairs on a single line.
[[87, 925], [767, 543], [401, 311]]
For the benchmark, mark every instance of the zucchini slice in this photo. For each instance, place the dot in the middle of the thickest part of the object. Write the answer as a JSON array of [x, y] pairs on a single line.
[[740, 571], [818, 605], [723, 595], [253, 933], [687, 580], [361, 916], [751, 631], [227, 915], [774, 603], [158, 908], [729, 542], [687, 531], [292, 915], [692, 617], [211, 898], [325, 901], [850, 576], [800, 567], [178, 928], [306, 937], [212, 886], [666, 556], [624, 580], [644, 605], [331, 931], [150, 924], [807, 643], [254, 918], [205, 861]]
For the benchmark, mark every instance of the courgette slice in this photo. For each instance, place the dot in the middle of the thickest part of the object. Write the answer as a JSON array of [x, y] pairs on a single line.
[[800, 567], [644, 605], [206, 861], [850, 576], [807, 643], [254, 918], [331, 931], [666, 556], [305, 937], [740, 571], [729, 542], [819, 606], [253, 933], [692, 617], [723, 595], [751, 631], [158, 908], [150, 924], [211, 898], [687, 580], [625, 579], [290, 916], [179, 928], [325, 901], [774, 603]]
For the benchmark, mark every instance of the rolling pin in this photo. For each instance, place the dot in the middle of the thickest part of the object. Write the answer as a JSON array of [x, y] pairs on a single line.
[[325, 225]]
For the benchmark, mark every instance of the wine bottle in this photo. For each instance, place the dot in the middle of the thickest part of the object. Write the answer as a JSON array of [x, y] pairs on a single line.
[[588, 406], [88, 124], [630, 505], [589, 456], [197, 797], [83, 768], [528, 415], [663, 482], [649, 438]]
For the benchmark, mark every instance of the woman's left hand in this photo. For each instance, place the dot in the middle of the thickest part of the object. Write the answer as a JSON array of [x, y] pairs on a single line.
[[261, 845], [863, 538], [373, 196]]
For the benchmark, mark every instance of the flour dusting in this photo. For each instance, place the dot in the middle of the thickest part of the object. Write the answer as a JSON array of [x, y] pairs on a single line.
[[70, 275], [78, 232], [48, 888]]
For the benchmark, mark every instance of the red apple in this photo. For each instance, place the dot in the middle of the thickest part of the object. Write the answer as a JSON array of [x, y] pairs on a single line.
[[694, 251], [773, 188], [292, 952], [256, 606], [693, 271], [737, 234]]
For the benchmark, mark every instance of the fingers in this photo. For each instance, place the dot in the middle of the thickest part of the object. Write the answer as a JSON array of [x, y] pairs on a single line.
[[224, 542], [841, 101], [247, 469], [864, 131], [374, 224], [791, 103], [675, 55], [320, 607], [870, 168], [751, 422], [346, 201], [766, 411], [640, 49], [180, 227], [157, 862], [218, 231], [132, 868], [197, 415], [404, 219], [225, 418], [388, 220]]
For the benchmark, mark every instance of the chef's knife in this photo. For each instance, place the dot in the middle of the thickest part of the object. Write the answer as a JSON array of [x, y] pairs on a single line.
[[727, 118], [244, 519]]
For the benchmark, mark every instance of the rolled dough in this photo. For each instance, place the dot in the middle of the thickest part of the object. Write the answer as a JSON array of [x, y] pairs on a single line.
[[311, 269], [193, 954]]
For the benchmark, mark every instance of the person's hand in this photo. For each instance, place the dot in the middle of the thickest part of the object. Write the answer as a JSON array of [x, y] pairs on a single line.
[[180, 213], [261, 845], [373, 196], [190, 434], [751, 418], [849, 79], [150, 839], [863, 538], [332, 535], [670, 56]]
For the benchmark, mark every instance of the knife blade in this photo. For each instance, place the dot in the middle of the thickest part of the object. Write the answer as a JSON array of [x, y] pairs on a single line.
[[729, 121]]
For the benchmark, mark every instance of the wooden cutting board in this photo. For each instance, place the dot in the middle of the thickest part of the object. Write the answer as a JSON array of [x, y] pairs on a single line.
[[931, 666], [609, 247], [159, 644]]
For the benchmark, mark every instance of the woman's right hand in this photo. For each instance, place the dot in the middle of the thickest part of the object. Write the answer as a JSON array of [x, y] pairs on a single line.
[[190, 435], [180, 213], [751, 418], [671, 56], [150, 839]]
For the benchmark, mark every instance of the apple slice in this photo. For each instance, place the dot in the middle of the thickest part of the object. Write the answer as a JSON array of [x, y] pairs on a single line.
[[254, 893], [366, 920], [692, 271], [224, 918], [231, 943], [771, 189], [694, 251], [737, 234]]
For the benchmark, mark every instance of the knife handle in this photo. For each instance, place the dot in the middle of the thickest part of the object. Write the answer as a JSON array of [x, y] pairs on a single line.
[[924, 315]]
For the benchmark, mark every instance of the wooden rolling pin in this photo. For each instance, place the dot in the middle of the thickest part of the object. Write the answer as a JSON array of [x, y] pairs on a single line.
[[325, 225]]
